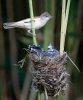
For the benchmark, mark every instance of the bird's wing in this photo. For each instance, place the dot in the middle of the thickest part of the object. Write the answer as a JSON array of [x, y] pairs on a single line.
[[27, 20]]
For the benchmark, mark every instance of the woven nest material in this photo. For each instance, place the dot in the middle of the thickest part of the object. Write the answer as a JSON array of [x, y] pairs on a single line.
[[48, 69]]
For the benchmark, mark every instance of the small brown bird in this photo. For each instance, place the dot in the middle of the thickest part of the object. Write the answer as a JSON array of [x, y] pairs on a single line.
[[39, 22]]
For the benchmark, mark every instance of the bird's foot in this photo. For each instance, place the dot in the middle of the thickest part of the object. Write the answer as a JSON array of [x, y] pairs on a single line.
[[30, 32]]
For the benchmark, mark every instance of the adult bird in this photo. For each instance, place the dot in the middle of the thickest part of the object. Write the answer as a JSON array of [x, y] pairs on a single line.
[[39, 21]]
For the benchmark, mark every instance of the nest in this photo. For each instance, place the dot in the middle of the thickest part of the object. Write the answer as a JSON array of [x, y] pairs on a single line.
[[48, 69]]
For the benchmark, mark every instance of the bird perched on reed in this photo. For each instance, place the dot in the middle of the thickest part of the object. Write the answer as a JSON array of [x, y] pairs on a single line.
[[39, 21]]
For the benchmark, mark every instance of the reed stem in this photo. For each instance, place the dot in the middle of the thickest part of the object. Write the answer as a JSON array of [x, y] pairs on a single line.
[[32, 22], [64, 22], [62, 27], [39, 96], [58, 97]]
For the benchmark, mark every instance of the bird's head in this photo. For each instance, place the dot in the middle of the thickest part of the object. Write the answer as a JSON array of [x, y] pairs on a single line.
[[45, 16]]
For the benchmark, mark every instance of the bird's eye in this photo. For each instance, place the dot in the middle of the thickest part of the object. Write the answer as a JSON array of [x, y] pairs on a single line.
[[46, 15]]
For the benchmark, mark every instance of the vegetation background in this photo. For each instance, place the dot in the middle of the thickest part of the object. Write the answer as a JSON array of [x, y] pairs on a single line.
[[15, 82]]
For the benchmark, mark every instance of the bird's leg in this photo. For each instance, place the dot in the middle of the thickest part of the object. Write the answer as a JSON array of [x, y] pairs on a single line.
[[30, 32]]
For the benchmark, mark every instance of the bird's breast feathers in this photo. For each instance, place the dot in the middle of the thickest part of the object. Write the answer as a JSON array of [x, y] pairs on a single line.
[[37, 21]]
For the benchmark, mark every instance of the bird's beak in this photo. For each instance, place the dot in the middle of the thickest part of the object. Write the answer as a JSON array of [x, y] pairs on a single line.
[[51, 17]]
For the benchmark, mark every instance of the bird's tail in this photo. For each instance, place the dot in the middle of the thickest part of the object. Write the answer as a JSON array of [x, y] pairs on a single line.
[[9, 25]]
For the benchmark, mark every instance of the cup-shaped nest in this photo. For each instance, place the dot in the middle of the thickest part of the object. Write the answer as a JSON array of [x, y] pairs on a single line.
[[48, 69]]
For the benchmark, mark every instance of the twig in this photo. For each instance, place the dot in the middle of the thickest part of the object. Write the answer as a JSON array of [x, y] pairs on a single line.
[[46, 93], [73, 63]]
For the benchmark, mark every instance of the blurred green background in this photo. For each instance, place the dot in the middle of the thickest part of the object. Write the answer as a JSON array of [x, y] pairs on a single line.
[[15, 82]]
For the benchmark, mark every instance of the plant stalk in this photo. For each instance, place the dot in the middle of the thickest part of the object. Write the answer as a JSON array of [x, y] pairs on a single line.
[[39, 96], [32, 22], [62, 27], [58, 97], [46, 28], [64, 22], [62, 33]]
